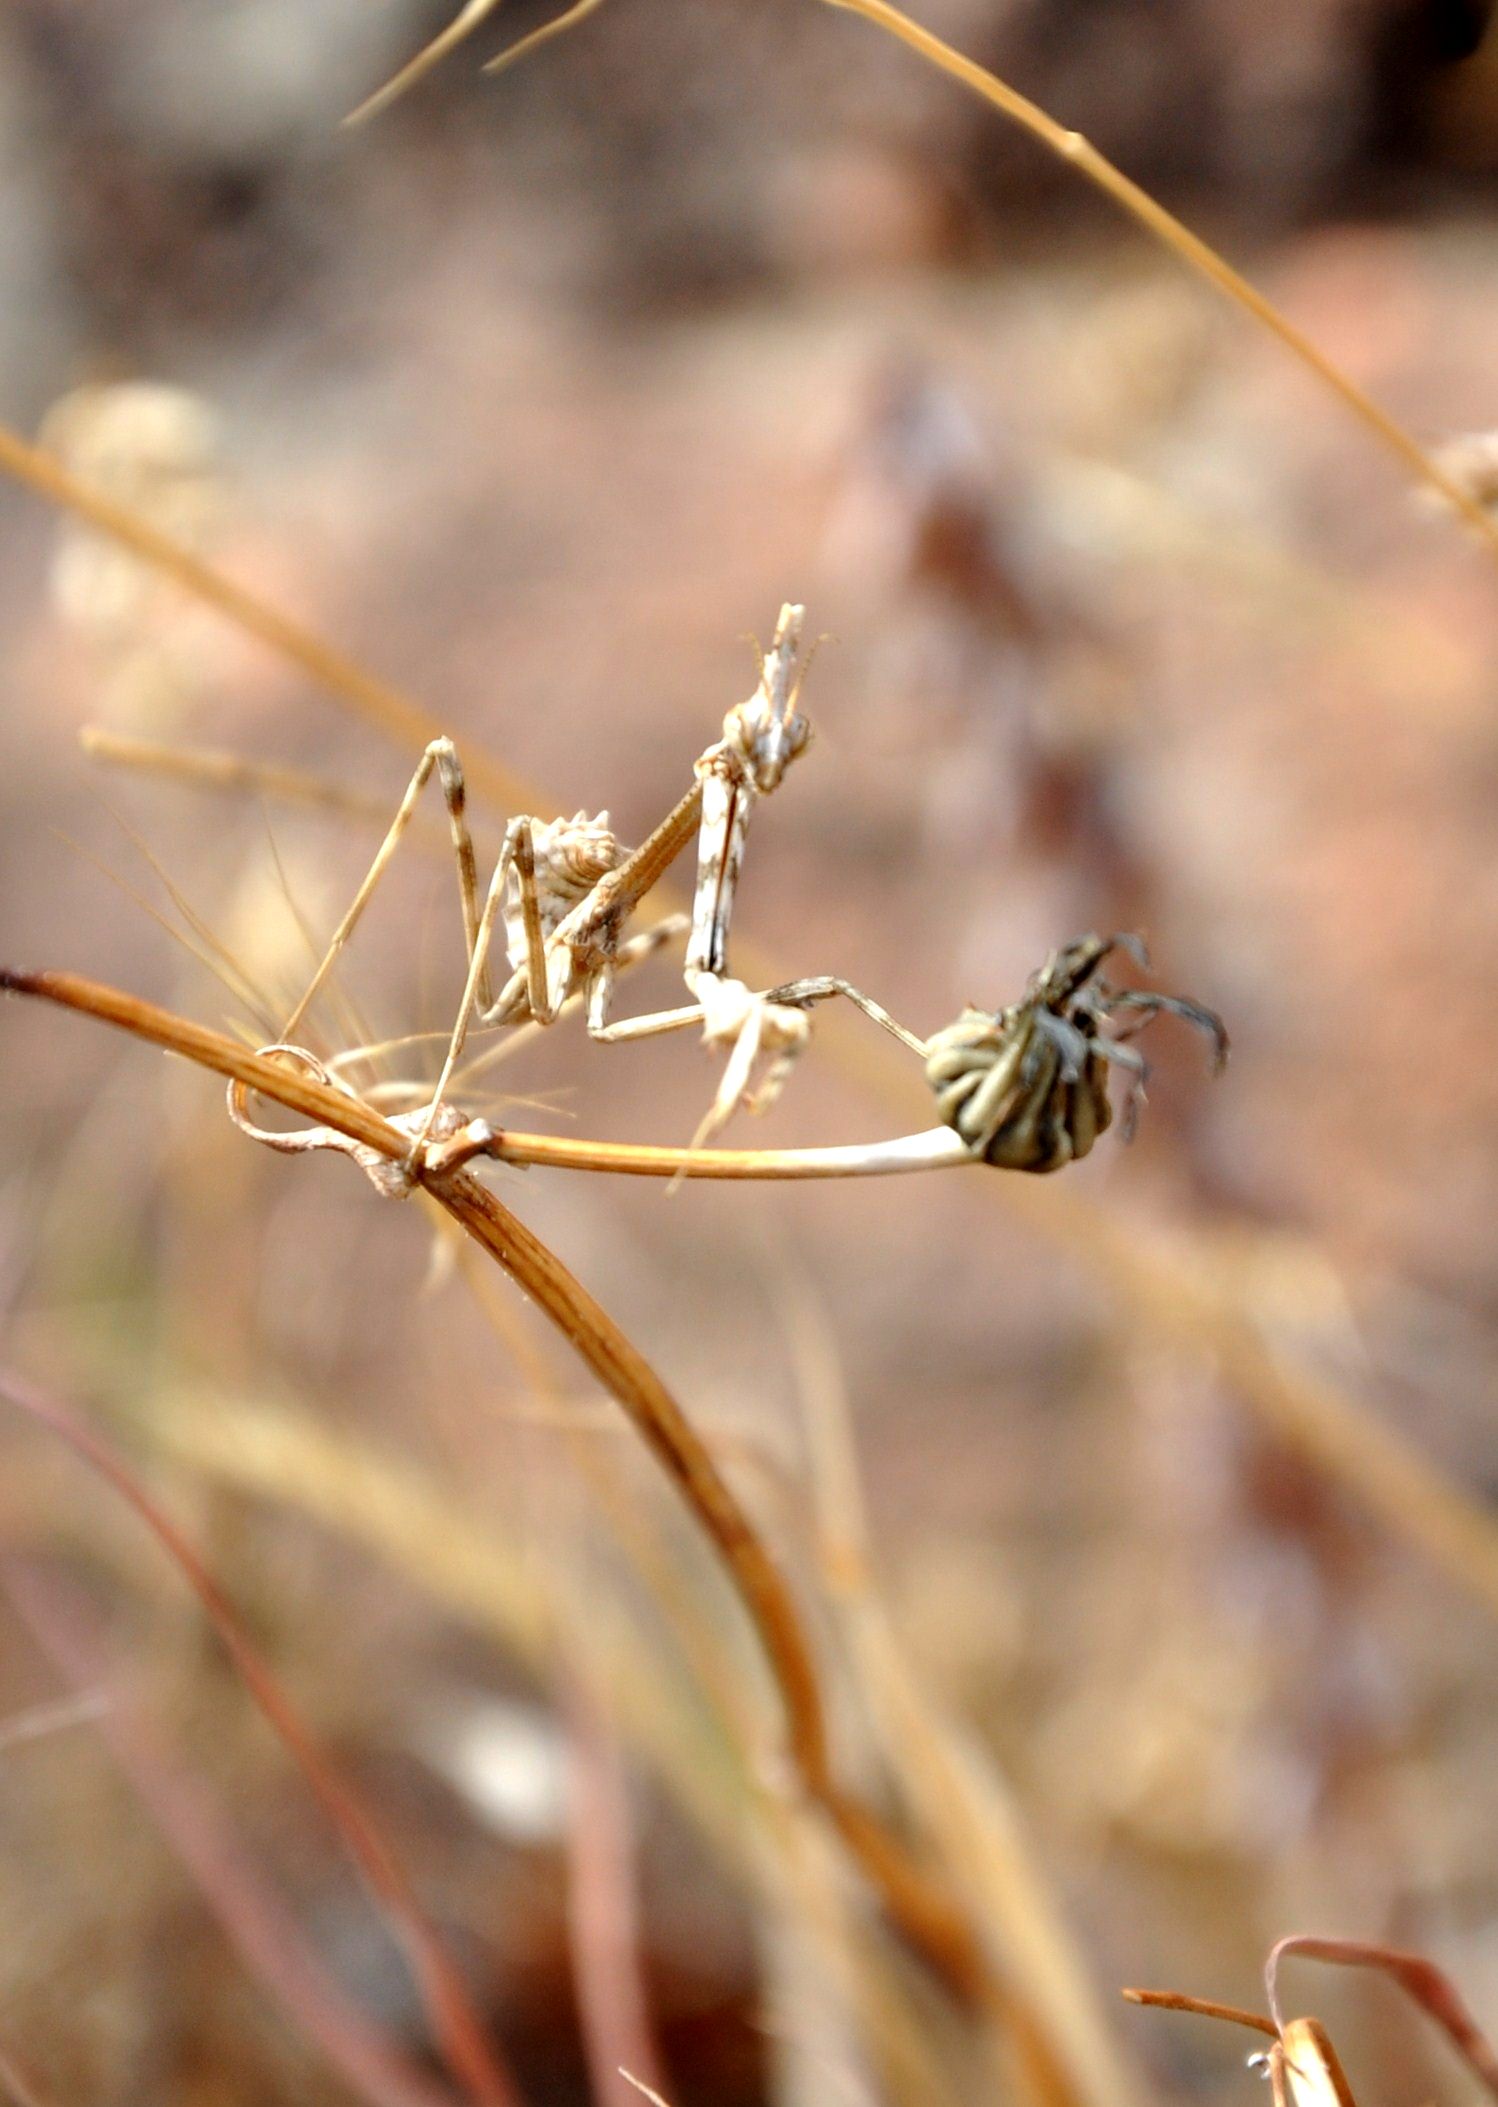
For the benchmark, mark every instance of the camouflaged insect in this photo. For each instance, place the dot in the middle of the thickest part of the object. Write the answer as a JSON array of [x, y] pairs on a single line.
[[1027, 1087]]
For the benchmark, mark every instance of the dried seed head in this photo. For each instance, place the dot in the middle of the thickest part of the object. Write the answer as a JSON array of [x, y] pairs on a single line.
[[1027, 1087], [1018, 1092]]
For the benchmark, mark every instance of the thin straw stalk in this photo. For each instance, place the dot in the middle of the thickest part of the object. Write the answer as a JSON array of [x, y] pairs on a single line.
[[920, 1906]]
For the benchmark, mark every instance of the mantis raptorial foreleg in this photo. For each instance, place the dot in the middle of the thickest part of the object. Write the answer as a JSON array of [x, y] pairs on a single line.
[[761, 737]]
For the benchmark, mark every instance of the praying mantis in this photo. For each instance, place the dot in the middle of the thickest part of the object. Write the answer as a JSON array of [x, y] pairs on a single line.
[[1022, 1087], [566, 890]]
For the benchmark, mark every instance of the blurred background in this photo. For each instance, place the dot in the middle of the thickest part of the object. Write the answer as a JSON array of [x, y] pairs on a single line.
[[539, 394]]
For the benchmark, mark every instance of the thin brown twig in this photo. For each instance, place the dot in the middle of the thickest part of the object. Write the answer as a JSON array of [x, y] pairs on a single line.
[[558, 26], [347, 682], [922, 1909], [1070, 146], [920, 1906], [1204, 2007], [1303, 2062], [211, 768], [936, 1148], [1078, 152]]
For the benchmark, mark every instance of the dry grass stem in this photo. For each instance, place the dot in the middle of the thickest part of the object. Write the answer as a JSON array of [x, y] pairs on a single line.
[[375, 701], [389, 1509], [455, 2023], [1421, 1980], [524, 46], [919, 1905], [1195, 253], [261, 1928], [936, 1148], [463, 23], [962, 1801], [204, 768], [1203, 2007], [1303, 2064], [646, 2091], [1072, 147]]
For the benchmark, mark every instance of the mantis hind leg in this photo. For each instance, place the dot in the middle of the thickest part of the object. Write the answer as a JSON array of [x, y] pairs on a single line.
[[442, 756]]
